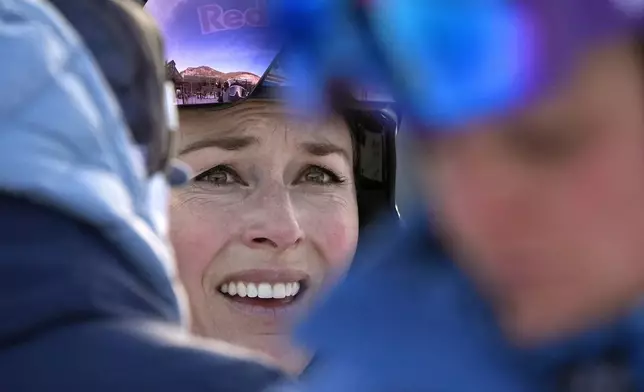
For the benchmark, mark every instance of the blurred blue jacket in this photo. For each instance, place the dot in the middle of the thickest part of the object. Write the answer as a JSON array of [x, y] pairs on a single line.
[[406, 319], [86, 284]]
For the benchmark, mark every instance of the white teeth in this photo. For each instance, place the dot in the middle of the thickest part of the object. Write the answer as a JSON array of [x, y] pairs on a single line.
[[265, 290], [241, 289], [279, 290], [262, 290], [252, 290]]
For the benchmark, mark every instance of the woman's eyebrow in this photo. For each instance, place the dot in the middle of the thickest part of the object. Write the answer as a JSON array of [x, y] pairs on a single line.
[[223, 142], [322, 149]]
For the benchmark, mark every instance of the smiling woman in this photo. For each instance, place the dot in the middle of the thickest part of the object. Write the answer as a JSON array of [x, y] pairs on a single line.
[[270, 216], [276, 202]]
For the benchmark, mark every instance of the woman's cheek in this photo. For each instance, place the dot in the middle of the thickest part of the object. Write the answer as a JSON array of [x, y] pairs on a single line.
[[196, 238], [335, 234]]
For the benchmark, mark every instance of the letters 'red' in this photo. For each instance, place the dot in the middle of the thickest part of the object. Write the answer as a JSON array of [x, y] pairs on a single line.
[[213, 18]]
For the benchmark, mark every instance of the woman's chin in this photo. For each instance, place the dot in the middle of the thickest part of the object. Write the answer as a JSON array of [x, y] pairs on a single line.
[[289, 358], [266, 333], [277, 347]]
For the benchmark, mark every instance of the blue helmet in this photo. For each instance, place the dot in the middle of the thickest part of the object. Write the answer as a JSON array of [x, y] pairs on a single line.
[[446, 61]]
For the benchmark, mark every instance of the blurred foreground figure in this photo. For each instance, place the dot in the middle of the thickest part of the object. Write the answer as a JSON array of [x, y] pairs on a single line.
[[85, 274], [536, 193]]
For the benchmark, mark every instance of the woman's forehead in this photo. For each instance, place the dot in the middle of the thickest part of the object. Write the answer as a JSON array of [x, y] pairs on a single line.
[[263, 121]]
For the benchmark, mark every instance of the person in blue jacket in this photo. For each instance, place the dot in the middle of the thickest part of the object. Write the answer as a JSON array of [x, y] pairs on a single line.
[[89, 296], [524, 271]]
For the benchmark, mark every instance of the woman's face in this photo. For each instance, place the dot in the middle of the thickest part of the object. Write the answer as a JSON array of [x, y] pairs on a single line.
[[270, 216]]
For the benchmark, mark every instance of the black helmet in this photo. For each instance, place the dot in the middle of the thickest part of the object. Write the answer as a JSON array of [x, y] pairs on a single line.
[[220, 53]]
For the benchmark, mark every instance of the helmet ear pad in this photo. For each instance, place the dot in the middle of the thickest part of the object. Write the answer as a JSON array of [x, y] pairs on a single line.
[[373, 134]]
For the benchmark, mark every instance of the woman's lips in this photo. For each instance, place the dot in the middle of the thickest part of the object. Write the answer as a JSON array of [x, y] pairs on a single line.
[[265, 288]]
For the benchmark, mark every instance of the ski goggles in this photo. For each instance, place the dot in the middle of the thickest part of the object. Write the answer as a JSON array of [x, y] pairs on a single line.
[[219, 51]]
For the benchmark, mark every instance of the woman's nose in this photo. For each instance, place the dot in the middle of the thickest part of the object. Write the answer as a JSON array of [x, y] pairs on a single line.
[[274, 226]]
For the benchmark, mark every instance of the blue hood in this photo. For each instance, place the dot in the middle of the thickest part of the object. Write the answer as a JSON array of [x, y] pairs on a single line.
[[64, 146]]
